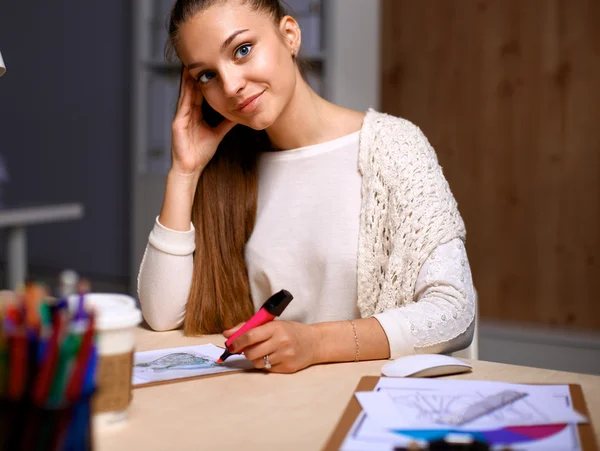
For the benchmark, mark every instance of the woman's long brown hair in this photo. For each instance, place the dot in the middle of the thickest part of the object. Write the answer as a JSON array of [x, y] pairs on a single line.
[[224, 207]]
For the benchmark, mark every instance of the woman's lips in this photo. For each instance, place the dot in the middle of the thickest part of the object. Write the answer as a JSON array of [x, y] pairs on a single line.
[[250, 104]]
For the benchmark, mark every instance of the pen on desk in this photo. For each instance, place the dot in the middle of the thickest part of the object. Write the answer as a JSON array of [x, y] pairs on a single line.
[[274, 306]]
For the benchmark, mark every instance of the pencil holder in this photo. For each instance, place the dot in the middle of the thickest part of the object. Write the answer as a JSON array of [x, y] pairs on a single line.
[[48, 361], [28, 427]]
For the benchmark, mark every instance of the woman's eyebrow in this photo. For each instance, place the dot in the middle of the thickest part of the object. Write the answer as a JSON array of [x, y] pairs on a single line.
[[224, 46], [230, 39]]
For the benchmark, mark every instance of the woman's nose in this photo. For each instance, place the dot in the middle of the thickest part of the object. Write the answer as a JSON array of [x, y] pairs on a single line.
[[233, 81]]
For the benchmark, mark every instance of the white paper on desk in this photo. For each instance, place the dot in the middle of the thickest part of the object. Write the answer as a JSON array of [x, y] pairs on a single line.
[[187, 361], [419, 404]]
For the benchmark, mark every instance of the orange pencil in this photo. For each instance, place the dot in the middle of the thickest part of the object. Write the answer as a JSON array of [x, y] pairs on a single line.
[[33, 296]]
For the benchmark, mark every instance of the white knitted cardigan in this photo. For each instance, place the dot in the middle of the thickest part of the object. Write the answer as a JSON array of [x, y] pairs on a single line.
[[407, 210]]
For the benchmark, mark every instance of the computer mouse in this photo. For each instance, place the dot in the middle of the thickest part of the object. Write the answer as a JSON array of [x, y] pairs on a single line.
[[425, 365]]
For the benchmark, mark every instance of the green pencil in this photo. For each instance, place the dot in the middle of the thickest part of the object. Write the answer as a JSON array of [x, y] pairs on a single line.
[[68, 351]]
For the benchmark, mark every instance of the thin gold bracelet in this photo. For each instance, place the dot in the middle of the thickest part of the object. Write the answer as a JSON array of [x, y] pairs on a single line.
[[355, 341]]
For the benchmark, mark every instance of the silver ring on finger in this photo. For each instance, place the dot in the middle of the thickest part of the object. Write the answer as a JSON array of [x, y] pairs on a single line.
[[267, 363]]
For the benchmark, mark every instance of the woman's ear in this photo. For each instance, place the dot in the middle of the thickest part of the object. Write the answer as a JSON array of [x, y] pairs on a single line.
[[290, 30]]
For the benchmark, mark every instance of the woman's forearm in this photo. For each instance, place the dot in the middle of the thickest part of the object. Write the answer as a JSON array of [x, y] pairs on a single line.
[[164, 282], [165, 276], [176, 212], [338, 344]]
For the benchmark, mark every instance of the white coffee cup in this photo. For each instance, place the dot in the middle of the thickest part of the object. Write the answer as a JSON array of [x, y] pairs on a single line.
[[116, 319]]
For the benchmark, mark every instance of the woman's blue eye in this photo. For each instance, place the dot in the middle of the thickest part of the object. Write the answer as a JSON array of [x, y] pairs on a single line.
[[241, 52], [244, 50], [205, 77]]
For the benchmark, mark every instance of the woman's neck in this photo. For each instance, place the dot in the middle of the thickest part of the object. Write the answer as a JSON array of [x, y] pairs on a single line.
[[309, 119]]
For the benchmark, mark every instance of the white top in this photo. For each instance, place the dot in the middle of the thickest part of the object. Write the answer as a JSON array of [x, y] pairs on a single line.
[[305, 238], [305, 241]]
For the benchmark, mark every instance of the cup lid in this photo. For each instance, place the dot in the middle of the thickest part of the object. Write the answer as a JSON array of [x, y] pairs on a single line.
[[113, 310]]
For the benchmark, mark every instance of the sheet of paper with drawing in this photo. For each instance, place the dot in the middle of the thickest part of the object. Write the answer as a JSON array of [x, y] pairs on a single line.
[[425, 404], [184, 362], [400, 411]]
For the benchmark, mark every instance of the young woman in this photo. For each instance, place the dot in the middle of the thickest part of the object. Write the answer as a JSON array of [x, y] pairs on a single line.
[[348, 211]]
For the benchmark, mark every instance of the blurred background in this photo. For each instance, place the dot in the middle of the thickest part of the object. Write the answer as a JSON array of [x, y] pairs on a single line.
[[507, 91]]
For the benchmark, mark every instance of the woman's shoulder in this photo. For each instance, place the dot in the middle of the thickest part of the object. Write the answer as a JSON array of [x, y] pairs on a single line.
[[393, 141], [382, 125]]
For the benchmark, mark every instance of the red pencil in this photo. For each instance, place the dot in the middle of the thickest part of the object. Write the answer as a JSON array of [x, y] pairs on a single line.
[[17, 345], [18, 365], [48, 363]]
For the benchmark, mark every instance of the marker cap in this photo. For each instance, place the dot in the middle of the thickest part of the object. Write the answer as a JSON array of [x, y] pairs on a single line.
[[277, 303]]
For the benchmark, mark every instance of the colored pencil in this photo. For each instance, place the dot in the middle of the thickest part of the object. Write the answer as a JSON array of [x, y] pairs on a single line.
[[76, 384]]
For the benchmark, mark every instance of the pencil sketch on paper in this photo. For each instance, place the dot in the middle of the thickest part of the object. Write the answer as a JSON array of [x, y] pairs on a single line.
[[431, 407], [184, 362], [176, 360]]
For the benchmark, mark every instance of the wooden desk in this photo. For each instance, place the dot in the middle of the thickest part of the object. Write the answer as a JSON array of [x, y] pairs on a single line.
[[260, 411]]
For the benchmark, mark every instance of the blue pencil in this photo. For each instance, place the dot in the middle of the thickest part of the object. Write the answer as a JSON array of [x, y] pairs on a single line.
[[89, 382]]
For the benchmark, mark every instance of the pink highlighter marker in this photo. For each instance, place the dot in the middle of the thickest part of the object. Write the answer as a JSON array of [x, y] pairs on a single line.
[[274, 306]]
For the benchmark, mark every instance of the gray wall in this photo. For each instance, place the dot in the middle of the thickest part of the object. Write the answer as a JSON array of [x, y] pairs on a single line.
[[64, 126], [352, 53]]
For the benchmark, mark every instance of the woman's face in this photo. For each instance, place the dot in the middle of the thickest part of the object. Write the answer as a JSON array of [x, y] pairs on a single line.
[[241, 62]]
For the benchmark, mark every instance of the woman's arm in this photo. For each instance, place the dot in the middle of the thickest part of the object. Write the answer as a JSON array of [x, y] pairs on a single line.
[[338, 343], [440, 321], [165, 276]]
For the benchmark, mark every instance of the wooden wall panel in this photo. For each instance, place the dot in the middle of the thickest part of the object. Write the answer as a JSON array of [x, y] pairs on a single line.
[[508, 92]]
